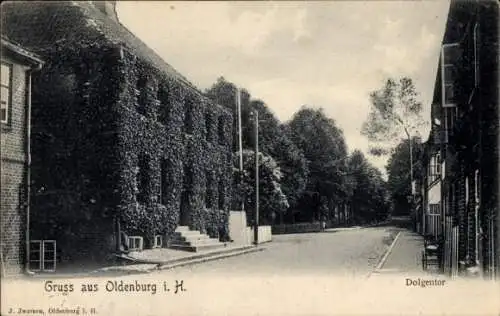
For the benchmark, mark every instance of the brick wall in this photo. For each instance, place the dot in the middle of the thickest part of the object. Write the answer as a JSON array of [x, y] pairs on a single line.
[[13, 174]]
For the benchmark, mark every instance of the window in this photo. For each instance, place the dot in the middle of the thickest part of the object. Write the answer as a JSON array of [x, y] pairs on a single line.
[[164, 110], [188, 178], [476, 54], [5, 92], [141, 95], [135, 243], [43, 255], [208, 191], [188, 116], [450, 119], [450, 55], [477, 187], [221, 195], [158, 241], [142, 179], [434, 209], [434, 168], [208, 127], [220, 129], [164, 181]]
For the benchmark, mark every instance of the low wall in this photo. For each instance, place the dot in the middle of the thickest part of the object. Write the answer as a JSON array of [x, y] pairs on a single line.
[[296, 228], [241, 234], [237, 227], [265, 234]]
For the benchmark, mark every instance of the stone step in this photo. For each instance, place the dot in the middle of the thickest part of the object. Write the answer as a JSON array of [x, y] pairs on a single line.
[[195, 242], [197, 247], [188, 233], [190, 238]]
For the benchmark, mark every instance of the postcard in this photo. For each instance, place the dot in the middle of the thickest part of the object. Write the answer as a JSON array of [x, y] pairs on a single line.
[[249, 158]]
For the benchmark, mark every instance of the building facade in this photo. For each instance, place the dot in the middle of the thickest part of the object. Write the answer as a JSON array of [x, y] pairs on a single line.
[[121, 141], [17, 66], [464, 142]]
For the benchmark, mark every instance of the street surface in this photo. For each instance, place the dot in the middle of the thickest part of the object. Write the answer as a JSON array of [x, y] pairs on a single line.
[[351, 252]]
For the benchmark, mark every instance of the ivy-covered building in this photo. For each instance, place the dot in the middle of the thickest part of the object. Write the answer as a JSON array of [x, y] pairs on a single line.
[[121, 140]]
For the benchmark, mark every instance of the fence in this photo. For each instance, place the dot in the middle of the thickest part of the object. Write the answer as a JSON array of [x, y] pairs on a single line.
[[296, 228]]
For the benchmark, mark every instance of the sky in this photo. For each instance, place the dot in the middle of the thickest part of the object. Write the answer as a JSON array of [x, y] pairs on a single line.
[[328, 54]]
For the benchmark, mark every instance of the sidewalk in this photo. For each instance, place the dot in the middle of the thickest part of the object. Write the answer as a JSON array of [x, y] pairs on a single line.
[[152, 260], [404, 255]]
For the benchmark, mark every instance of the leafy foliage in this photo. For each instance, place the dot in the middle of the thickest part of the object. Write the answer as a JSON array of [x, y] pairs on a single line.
[[325, 150], [398, 169], [91, 137], [370, 198], [395, 113], [274, 138], [272, 200]]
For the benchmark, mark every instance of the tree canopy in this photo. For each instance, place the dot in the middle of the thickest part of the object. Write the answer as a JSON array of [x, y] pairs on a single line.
[[395, 113], [325, 150], [370, 198], [274, 140]]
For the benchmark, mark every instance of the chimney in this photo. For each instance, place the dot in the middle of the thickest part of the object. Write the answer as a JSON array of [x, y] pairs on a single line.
[[108, 8]]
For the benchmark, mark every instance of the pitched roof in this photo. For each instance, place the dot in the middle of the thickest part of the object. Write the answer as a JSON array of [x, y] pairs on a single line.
[[21, 52], [41, 25]]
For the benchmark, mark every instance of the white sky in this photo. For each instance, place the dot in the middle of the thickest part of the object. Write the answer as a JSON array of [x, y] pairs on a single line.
[[322, 54]]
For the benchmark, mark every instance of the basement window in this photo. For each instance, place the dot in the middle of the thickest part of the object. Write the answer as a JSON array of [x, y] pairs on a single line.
[[43, 255], [158, 241], [135, 243]]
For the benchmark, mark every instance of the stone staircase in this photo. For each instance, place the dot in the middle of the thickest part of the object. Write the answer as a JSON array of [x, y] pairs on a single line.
[[193, 240]]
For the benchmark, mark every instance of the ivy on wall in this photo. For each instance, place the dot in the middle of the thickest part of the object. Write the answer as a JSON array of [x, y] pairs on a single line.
[[110, 141], [167, 122]]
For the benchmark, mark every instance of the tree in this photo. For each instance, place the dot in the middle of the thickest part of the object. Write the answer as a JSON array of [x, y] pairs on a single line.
[[272, 200], [325, 150], [370, 199], [274, 140], [398, 170], [395, 113]]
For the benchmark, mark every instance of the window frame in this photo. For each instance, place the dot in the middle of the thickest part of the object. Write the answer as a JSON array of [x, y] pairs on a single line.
[[8, 109], [476, 38], [444, 82]]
